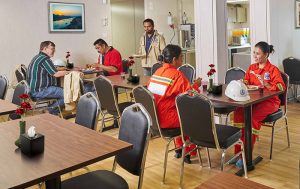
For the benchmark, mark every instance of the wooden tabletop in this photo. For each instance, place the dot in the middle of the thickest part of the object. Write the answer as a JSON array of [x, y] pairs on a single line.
[[68, 147], [7, 107], [255, 97], [117, 81], [229, 181]]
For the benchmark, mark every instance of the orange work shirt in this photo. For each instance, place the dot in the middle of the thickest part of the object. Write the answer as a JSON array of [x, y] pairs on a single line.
[[270, 74], [166, 84]]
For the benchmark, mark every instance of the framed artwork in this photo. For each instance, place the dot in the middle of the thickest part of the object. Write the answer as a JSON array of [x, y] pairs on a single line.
[[297, 13], [66, 17]]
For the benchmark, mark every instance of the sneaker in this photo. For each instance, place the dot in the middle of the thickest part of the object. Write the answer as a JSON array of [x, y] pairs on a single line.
[[178, 153], [187, 159], [239, 164]]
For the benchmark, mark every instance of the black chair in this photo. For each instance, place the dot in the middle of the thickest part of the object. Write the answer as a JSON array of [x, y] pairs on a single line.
[[155, 67], [107, 97], [3, 86], [135, 129], [271, 119], [234, 73], [188, 71], [21, 88], [291, 67], [20, 75], [145, 97], [202, 130], [87, 111]]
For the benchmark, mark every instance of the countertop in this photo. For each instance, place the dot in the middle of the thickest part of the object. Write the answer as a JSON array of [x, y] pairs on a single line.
[[239, 46]]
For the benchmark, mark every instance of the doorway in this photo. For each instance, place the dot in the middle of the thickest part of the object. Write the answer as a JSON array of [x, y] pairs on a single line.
[[127, 26]]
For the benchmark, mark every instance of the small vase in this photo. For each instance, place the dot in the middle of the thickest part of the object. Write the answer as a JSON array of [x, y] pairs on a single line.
[[210, 85], [130, 72], [22, 126]]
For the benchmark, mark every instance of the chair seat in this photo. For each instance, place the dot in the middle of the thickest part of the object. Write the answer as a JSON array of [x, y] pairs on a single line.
[[274, 116], [223, 109], [96, 180], [227, 136], [171, 132]]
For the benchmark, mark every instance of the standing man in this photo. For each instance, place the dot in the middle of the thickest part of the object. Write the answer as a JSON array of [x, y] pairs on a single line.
[[112, 64], [151, 46], [42, 77]]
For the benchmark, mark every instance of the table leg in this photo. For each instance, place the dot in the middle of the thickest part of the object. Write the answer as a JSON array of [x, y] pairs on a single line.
[[53, 183], [248, 142]]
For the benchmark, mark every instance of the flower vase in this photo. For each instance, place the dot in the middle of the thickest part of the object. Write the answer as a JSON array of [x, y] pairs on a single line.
[[130, 75], [210, 85], [22, 127]]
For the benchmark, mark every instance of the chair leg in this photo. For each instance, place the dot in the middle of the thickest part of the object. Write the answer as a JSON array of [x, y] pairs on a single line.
[[272, 140], [287, 131], [182, 166], [222, 159], [208, 158], [244, 159], [199, 156], [166, 159]]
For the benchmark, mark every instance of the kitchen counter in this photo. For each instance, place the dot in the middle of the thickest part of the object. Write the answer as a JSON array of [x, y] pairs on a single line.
[[235, 49], [239, 46]]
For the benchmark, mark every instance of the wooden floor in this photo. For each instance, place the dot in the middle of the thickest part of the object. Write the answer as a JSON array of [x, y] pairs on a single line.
[[282, 172]]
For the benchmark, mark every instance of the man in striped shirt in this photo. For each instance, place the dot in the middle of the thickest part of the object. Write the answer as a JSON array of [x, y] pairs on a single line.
[[42, 77]]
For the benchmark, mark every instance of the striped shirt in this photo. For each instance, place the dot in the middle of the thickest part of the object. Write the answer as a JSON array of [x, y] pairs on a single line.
[[40, 73]]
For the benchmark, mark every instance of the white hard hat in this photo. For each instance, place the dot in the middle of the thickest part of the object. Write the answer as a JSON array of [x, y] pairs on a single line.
[[237, 90], [59, 62]]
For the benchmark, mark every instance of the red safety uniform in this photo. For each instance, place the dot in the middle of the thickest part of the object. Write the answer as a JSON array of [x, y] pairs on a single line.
[[113, 58], [271, 75], [166, 84]]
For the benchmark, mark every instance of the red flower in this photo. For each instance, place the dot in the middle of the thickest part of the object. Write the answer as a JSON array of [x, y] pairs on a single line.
[[68, 54], [20, 111], [211, 65], [212, 70], [25, 106], [209, 73], [24, 96], [131, 57], [130, 62]]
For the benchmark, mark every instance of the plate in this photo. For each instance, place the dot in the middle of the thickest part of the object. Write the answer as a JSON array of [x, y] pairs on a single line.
[[252, 87]]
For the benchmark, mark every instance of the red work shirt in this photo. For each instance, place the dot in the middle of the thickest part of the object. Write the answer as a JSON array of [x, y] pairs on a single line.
[[166, 84], [270, 74], [113, 58]]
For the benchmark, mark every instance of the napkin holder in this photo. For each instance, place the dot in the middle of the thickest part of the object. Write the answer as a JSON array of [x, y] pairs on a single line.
[[134, 79], [217, 89], [32, 145]]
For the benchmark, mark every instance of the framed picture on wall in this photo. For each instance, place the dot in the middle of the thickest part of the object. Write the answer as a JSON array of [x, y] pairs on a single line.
[[66, 17], [297, 13]]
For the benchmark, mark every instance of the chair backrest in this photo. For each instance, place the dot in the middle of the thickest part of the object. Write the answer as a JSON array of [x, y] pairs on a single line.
[[134, 129], [125, 65], [188, 71], [196, 115], [146, 98], [106, 95], [3, 86], [284, 96], [234, 73], [24, 70], [155, 67], [21, 88], [291, 67], [19, 75], [87, 112]]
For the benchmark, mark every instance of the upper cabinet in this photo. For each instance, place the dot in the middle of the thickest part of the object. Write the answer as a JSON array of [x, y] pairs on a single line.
[[236, 13], [241, 14]]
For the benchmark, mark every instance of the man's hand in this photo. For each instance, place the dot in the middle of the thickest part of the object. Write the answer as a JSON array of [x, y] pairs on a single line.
[[198, 81]]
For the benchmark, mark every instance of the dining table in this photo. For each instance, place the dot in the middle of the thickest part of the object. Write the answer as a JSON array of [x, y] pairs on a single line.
[[67, 147]]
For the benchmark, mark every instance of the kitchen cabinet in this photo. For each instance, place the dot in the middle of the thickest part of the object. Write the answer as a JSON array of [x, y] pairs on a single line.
[[241, 14]]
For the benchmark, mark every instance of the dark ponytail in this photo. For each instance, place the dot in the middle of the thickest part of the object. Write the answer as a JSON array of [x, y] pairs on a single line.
[[170, 52], [265, 47]]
